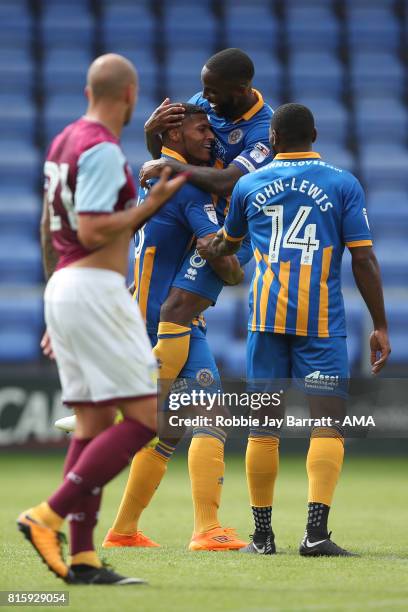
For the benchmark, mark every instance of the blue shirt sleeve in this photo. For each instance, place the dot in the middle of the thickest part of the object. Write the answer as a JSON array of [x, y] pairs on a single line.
[[199, 213], [101, 175], [245, 252], [256, 150], [236, 225], [355, 227]]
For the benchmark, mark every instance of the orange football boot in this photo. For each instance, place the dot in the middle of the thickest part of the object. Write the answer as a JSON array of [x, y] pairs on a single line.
[[47, 542], [137, 540], [220, 538]]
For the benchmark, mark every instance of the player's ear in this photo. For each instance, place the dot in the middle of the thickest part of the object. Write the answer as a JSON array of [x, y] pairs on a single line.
[[174, 134], [87, 92], [314, 135], [273, 138]]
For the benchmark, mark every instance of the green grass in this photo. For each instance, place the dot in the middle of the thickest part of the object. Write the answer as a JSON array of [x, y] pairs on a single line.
[[369, 517]]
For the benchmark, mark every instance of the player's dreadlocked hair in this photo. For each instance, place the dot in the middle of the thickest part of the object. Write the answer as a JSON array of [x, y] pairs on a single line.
[[232, 65], [294, 122]]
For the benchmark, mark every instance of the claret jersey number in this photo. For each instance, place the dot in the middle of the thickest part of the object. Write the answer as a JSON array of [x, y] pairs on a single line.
[[57, 174], [291, 240]]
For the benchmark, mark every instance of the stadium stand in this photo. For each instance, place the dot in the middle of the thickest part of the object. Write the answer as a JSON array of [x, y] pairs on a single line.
[[346, 59]]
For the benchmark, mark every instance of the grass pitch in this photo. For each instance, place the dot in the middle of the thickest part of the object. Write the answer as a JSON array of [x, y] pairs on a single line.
[[369, 517]]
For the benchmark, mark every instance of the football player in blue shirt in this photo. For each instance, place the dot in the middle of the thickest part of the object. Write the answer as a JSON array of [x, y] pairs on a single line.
[[160, 247], [300, 213], [240, 120]]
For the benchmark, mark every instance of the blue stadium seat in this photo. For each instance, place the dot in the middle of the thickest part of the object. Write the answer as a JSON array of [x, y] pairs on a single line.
[[312, 30], [393, 262], [20, 261], [16, 27], [384, 168], [331, 119], [19, 165], [130, 24], [313, 72], [388, 213], [373, 73], [381, 118], [21, 324], [20, 214], [18, 117], [71, 29], [187, 25], [367, 26], [337, 155], [61, 9], [251, 27], [60, 110], [146, 65], [16, 71], [268, 76], [65, 76], [397, 314], [354, 309], [183, 73], [18, 344]]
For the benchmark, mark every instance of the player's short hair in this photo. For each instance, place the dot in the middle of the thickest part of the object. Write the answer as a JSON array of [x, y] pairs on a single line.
[[232, 65], [294, 122], [190, 110]]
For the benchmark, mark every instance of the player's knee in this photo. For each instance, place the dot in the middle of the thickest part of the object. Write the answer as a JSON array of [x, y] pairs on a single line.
[[143, 411]]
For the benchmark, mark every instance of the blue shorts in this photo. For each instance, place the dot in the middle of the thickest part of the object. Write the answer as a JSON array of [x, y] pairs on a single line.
[[200, 370], [318, 366], [197, 276]]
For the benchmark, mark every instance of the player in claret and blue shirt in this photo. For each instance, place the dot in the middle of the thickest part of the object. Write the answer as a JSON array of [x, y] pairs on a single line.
[[240, 120], [300, 212]]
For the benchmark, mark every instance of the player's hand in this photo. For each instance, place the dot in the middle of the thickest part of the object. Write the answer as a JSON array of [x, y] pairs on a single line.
[[46, 346], [164, 188], [380, 349], [151, 169], [165, 117]]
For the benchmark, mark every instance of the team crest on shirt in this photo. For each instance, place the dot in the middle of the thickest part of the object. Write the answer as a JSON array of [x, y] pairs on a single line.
[[205, 377], [235, 136]]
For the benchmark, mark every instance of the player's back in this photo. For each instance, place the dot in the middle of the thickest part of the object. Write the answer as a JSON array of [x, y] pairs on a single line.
[[301, 212], [86, 172], [160, 246]]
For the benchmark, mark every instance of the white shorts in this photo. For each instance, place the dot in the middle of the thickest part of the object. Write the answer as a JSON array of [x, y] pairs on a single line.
[[99, 338]]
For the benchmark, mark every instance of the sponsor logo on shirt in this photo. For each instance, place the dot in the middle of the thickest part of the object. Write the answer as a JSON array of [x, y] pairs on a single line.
[[260, 152]]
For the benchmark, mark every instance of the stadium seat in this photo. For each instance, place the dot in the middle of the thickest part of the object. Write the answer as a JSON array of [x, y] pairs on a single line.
[[187, 25], [65, 72], [331, 119], [16, 26], [382, 167], [183, 71], [18, 117], [366, 26], [19, 165], [381, 118], [393, 262], [354, 309], [20, 214], [21, 325], [373, 73], [337, 155], [127, 24], [16, 71], [69, 28], [312, 29], [388, 213], [60, 110], [397, 314], [252, 27], [312, 72], [20, 261], [146, 65]]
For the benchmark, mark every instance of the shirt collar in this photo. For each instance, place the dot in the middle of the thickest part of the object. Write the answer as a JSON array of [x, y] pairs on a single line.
[[170, 153], [254, 109], [301, 155]]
